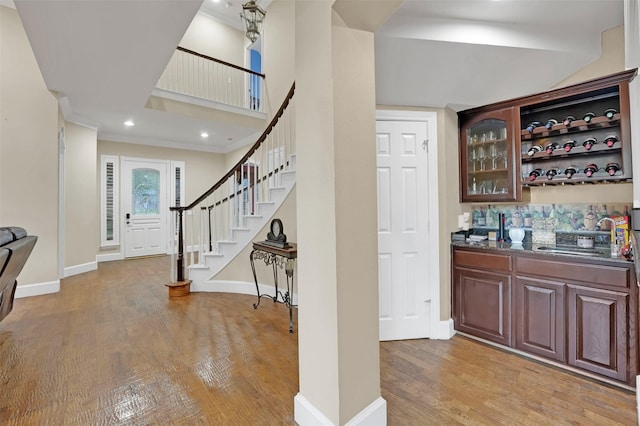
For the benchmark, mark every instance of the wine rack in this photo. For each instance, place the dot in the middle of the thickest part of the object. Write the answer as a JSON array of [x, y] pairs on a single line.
[[585, 144]]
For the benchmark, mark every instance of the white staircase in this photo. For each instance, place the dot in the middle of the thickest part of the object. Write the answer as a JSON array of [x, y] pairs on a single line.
[[203, 273]]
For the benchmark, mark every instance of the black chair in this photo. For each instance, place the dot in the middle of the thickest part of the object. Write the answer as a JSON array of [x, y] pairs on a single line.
[[15, 248]]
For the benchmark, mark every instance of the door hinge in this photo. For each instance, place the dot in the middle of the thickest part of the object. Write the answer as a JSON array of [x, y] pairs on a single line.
[[425, 145]]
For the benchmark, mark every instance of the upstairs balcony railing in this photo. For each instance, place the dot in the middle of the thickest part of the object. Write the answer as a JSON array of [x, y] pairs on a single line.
[[211, 220], [201, 76]]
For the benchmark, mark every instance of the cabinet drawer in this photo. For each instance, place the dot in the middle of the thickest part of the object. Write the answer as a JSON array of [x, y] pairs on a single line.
[[474, 259], [581, 272]]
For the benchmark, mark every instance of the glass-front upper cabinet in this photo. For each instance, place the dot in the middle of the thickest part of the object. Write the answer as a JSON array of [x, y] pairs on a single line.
[[487, 162]]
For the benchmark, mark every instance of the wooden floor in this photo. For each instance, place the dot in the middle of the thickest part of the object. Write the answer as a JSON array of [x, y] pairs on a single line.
[[111, 348]]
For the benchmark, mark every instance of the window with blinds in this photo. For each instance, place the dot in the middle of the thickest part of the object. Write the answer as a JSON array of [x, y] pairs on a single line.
[[109, 224]]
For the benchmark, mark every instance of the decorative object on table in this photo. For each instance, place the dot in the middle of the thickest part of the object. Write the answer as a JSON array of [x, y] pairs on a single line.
[[516, 235], [276, 236], [584, 241]]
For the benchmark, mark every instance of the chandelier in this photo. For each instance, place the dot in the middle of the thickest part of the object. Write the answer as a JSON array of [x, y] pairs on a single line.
[[253, 16]]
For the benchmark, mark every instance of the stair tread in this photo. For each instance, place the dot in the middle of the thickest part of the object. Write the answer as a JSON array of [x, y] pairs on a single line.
[[198, 266]]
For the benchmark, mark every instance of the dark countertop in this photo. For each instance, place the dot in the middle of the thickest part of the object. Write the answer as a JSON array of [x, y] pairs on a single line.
[[598, 253]]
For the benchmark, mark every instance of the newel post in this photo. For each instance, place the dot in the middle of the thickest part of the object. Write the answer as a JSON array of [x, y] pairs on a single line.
[[180, 287], [180, 260]]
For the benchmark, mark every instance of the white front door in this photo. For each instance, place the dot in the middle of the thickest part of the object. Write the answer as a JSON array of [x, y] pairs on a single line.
[[403, 232], [144, 206]]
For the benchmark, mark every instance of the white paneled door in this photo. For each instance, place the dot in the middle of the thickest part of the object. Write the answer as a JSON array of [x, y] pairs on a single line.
[[144, 206], [403, 247]]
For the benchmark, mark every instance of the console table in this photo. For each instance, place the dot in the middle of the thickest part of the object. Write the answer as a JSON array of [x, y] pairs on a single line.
[[279, 258]]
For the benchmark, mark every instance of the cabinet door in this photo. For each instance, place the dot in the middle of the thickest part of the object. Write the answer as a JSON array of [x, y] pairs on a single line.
[[487, 159], [597, 325], [540, 327], [482, 304]]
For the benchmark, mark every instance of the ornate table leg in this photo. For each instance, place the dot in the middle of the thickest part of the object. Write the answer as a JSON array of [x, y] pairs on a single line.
[[274, 263], [289, 295], [255, 278]]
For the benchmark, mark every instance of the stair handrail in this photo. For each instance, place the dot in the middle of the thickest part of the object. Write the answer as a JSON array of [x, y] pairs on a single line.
[[220, 61], [251, 150], [181, 209]]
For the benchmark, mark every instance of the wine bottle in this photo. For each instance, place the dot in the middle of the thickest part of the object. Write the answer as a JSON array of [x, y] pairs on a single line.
[[588, 116], [533, 150], [527, 219], [569, 145], [610, 112], [551, 173], [568, 119], [590, 170], [531, 126], [611, 140], [535, 173], [482, 218], [612, 168], [570, 171], [550, 123], [590, 142], [551, 147], [490, 218]]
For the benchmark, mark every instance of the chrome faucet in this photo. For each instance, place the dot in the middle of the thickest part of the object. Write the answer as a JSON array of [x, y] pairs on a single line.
[[613, 224]]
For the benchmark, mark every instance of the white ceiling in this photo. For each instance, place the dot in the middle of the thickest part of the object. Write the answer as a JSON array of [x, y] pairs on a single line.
[[466, 53], [105, 56]]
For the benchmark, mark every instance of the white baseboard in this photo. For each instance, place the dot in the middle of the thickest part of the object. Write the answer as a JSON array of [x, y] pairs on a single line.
[[306, 414], [443, 330], [375, 414], [37, 289], [70, 271], [109, 257]]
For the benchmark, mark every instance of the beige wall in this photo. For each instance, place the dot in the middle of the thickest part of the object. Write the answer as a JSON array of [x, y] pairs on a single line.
[[278, 58], [28, 150], [212, 38], [80, 200]]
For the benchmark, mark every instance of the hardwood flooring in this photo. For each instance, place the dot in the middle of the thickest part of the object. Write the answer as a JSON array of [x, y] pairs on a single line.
[[112, 348]]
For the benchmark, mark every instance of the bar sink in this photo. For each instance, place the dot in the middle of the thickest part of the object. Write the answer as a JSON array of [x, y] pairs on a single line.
[[576, 251]]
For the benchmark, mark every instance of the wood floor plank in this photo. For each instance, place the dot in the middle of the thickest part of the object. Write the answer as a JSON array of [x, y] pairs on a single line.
[[112, 348]]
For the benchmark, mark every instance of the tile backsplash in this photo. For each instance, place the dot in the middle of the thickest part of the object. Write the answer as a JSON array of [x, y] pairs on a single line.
[[572, 219]]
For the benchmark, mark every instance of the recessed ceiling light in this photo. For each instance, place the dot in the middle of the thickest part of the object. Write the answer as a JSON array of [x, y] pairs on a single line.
[[216, 1], [129, 123], [204, 134]]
